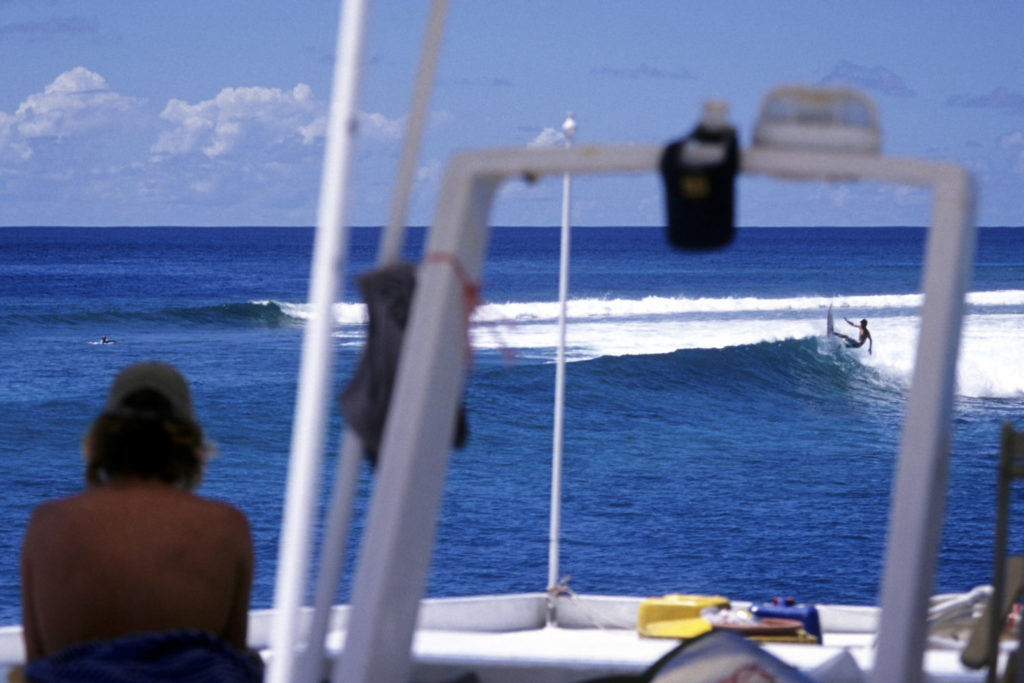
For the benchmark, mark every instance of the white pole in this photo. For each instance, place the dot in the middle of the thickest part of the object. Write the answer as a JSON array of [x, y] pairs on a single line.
[[569, 129], [391, 240], [332, 553], [316, 368]]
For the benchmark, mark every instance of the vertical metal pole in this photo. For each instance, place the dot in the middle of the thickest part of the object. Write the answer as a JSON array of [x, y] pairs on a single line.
[[393, 237], [317, 363], [332, 554], [569, 129]]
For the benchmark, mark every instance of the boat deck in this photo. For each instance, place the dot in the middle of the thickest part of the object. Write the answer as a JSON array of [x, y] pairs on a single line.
[[505, 639]]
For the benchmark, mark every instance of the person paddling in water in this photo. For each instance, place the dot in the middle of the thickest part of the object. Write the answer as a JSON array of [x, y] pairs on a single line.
[[864, 336]]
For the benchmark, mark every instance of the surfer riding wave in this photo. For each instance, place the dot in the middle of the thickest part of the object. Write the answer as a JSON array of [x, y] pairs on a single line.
[[864, 335]]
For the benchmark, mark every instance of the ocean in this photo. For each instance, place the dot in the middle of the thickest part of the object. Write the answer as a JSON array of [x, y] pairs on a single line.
[[714, 442]]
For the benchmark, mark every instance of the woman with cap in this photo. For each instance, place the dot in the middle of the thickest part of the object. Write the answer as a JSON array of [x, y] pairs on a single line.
[[137, 565]]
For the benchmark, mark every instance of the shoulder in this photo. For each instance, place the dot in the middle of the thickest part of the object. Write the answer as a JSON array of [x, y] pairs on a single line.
[[224, 521], [54, 512], [225, 512], [53, 525]]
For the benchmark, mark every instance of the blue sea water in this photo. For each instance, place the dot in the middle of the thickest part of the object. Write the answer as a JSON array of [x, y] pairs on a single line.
[[714, 443]]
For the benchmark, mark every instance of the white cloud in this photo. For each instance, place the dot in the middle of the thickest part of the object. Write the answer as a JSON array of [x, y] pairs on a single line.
[[50, 29], [78, 101], [549, 137], [644, 71], [429, 172], [1015, 143], [1011, 140], [876, 78], [380, 127], [316, 129], [80, 141], [248, 120], [1000, 98], [441, 117], [10, 140], [239, 120], [838, 195]]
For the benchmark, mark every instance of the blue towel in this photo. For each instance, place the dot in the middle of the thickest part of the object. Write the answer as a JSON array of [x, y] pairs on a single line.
[[192, 656]]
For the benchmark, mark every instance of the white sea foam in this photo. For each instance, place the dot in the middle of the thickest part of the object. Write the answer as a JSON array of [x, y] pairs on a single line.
[[344, 313], [596, 308], [991, 361], [657, 305]]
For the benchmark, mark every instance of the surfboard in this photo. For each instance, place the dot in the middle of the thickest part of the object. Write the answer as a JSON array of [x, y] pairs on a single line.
[[830, 330]]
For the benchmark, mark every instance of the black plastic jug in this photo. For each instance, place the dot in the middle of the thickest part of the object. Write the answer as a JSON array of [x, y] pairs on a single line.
[[699, 172]]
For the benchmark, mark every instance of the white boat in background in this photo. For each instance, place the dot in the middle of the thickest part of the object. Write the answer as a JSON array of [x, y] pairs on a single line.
[[390, 633]]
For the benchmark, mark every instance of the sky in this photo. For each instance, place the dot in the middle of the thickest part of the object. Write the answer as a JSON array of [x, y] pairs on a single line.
[[212, 112]]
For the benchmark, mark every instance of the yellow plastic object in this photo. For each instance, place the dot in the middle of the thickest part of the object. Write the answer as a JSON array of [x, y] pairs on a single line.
[[677, 615], [801, 637], [683, 629]]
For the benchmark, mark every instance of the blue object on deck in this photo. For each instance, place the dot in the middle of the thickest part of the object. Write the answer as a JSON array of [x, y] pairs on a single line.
[[787, 608]]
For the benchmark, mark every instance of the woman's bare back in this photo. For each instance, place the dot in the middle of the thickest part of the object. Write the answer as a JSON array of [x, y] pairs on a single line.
[[132, 557]]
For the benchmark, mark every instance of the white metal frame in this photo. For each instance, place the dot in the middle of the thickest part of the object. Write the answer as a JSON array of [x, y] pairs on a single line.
[[398, 538], [313, 397]]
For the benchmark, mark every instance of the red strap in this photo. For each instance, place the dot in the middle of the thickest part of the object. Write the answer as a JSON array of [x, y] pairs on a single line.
[[470, 296]]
